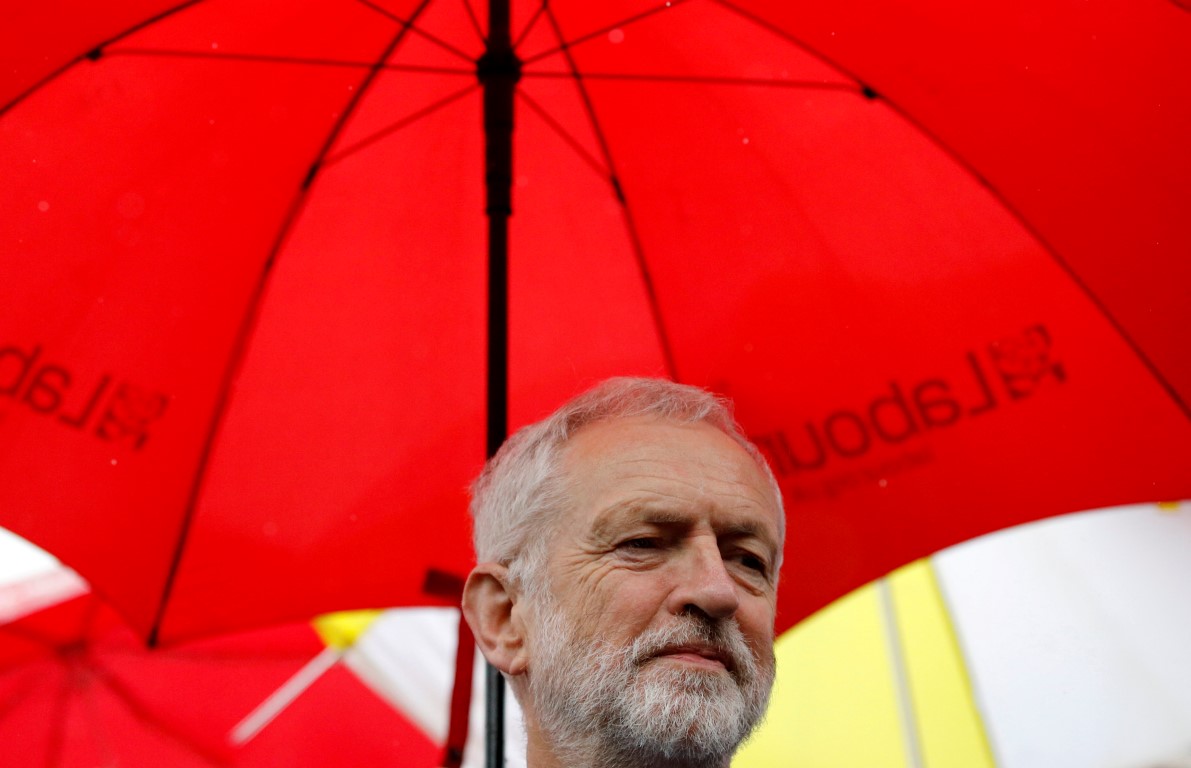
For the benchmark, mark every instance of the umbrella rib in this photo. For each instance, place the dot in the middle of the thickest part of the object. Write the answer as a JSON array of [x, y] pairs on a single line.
[[409, 24], [564, 44], [565, 135], [901, 679], [1074, 277], [618, 190], [783, 34], [280, 699], [250, 319], [383, 133], [960, 650], [529, 25], [475, 20], [705, 80], [260, 58], [94, 53]]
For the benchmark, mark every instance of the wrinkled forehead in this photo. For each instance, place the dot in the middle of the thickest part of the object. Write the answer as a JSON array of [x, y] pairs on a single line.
[[648, 460]]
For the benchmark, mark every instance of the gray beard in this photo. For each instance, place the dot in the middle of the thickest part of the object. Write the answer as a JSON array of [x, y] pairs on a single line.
[[620, 707]]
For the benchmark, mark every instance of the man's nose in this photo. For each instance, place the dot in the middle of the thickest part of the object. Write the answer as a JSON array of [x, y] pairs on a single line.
[[704, 583]]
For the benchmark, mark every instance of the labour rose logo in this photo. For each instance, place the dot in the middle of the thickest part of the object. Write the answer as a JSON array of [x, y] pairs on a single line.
[[1023, 361]]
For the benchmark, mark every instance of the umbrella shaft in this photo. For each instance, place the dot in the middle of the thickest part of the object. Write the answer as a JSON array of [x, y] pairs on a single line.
[[498, 69], [498, 331]]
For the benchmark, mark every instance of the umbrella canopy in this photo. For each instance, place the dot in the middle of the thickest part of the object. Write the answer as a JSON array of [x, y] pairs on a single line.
[[1059, 643], [408, 657], [77, 687], [936, 256]]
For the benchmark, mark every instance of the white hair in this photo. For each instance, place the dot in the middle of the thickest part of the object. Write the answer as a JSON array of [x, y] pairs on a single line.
[[521, 490]]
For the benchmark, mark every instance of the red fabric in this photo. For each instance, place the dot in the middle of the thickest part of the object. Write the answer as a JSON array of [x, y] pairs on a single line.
[[955, 306], [78, 688]]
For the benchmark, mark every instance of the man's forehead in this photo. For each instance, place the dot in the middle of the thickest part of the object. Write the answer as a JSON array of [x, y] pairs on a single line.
[[649, 467], [644, 437]]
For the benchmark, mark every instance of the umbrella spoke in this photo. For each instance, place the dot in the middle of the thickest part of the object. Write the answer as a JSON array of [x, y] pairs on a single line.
[[706, 80], [245, 57], [565, 135], [249, 320], [618, 190], [783, 34], [411, 26], [1052, 251], [564, 44], [529, 25], [268, 710], [389, 130], [95, 53], [854, 271], [901, 680], [299, 60], [475, 20]]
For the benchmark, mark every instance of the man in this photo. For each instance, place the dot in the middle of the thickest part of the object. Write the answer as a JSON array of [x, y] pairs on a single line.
[[629, 548]]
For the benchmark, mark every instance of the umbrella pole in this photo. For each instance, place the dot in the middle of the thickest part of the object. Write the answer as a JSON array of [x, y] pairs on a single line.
[[498, 70]]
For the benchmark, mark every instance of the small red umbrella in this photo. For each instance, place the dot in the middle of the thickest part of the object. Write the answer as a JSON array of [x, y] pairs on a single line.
[[936, 253], [78, 688]]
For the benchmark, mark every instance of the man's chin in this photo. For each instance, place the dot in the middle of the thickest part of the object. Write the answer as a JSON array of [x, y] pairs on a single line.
[[674, 712], [668, 683]]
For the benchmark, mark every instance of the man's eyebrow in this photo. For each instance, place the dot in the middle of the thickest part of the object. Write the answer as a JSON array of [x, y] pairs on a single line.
[[649, 513], [640, 510], [743, 529]]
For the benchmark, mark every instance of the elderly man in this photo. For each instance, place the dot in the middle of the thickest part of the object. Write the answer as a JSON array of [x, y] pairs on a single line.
[[628, 549]]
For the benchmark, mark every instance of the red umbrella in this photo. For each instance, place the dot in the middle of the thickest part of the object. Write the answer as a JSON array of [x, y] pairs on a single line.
[[78, 688], [935, 253]]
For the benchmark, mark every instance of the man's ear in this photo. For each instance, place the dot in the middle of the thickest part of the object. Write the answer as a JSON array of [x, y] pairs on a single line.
[[490, 608]]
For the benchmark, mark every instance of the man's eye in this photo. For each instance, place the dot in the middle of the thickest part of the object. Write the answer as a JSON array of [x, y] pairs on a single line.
[[641, 543], [754, 563]]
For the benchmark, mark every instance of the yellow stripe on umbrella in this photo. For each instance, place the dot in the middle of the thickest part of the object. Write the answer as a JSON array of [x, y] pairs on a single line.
[[341, 629], [947, 722], [877, 678]]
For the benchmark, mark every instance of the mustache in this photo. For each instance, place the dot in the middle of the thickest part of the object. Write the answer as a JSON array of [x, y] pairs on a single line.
[[722, 637]]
